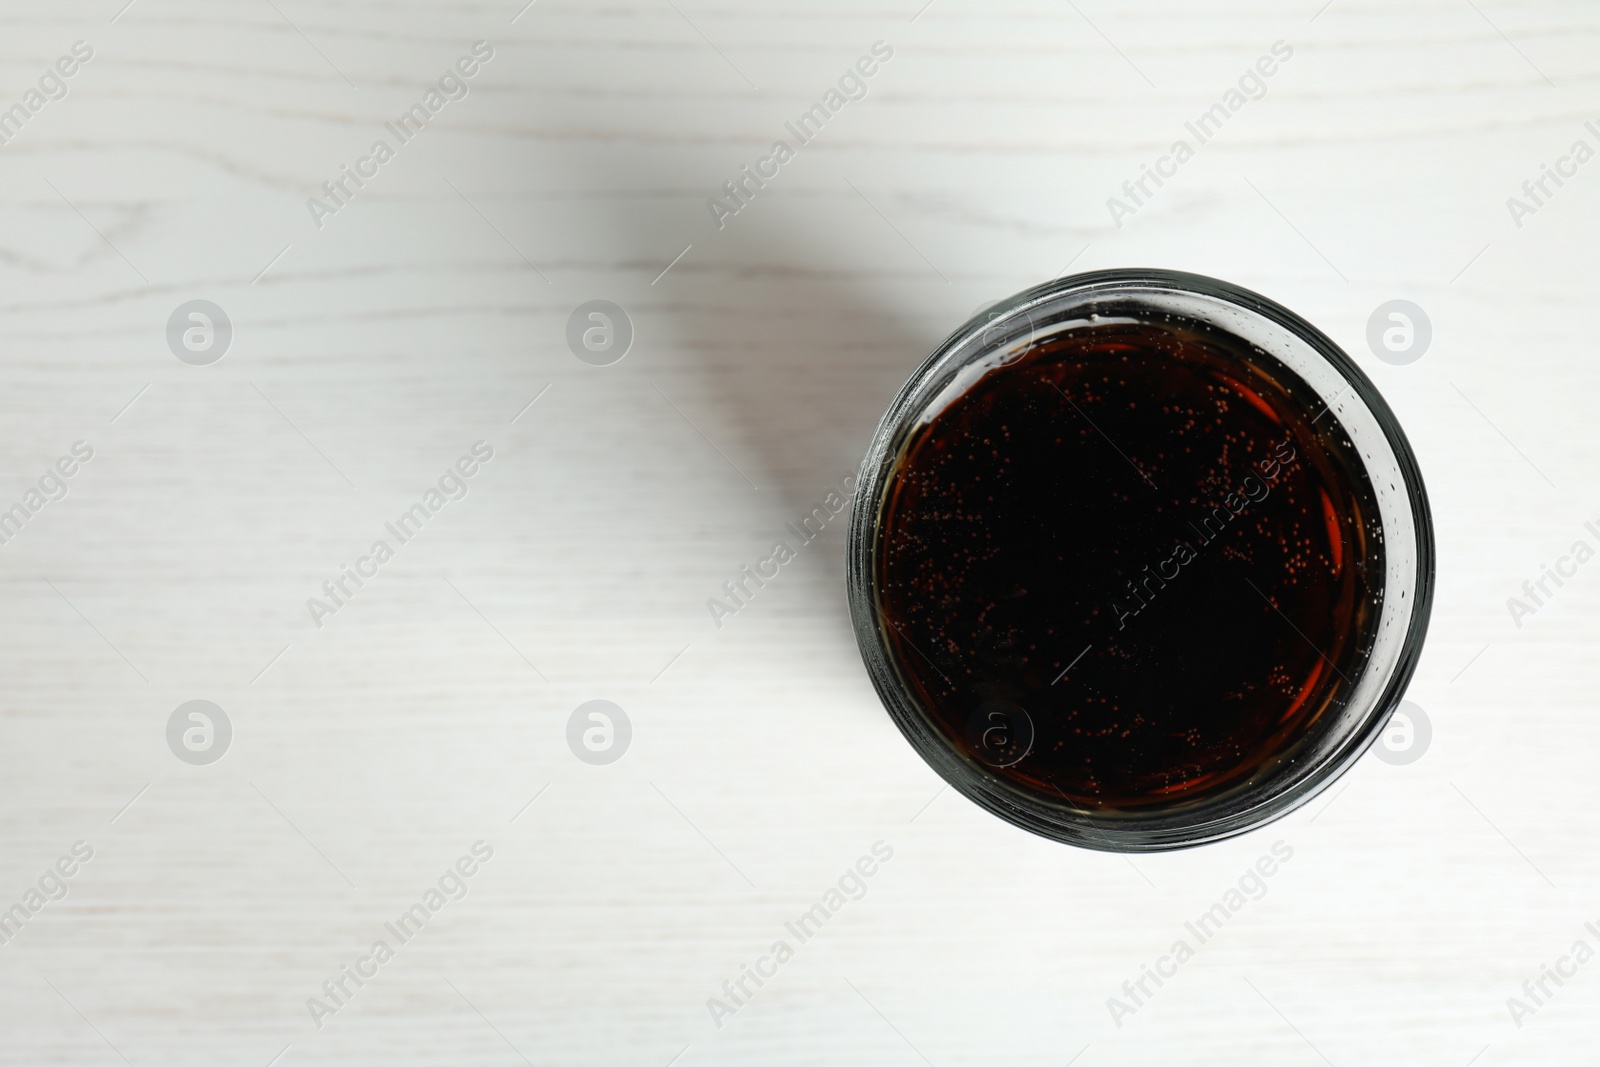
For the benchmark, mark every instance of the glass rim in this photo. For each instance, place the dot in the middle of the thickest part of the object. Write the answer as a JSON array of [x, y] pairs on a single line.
[[1070, 823]]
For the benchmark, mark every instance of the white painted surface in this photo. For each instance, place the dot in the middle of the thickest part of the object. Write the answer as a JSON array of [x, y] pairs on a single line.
[[411, 325]]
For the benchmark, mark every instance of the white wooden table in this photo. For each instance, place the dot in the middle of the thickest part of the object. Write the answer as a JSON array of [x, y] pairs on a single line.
[[370, 752]]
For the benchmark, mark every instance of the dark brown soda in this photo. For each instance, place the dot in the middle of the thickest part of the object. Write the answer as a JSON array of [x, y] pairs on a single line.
[[1132, 568]]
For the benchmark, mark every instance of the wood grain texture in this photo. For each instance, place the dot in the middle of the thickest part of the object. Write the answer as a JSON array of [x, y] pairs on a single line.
[[370, 352]]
